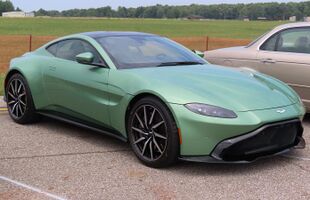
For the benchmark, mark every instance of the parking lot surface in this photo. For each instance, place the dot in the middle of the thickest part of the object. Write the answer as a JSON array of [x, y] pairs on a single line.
[[53, 160]]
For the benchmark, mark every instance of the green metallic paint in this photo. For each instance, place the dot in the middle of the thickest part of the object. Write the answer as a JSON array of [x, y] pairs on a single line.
[[209, 84], [85, 58], [102, 95], [201, 134]]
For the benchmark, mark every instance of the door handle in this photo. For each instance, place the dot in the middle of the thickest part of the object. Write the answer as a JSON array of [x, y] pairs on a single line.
[[268, 60], [51, 68]]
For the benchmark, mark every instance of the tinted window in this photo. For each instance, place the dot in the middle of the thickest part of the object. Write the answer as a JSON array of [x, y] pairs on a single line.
[[294, 40], [270, 45], [145, 51], [52, 49], [69, 49]]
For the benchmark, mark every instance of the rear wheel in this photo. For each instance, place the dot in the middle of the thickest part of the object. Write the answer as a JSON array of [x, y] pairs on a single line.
[[19, 100], [152, 133]]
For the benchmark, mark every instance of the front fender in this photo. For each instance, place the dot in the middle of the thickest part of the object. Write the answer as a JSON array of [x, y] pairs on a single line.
[[32, 72]]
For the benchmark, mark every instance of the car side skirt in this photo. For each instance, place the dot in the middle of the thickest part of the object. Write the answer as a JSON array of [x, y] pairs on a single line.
[[83, 124]]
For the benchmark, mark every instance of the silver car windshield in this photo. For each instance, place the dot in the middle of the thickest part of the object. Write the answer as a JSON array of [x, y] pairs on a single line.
[[256, 40], [147, 51]]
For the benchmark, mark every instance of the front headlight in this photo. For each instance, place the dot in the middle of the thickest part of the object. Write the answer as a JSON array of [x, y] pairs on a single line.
[[211, 111]]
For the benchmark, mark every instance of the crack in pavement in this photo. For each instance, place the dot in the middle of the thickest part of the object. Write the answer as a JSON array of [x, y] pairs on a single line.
[[63, 154]]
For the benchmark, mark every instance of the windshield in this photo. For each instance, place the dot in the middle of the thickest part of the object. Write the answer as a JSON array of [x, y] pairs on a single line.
[[147, 51], [257, 39]]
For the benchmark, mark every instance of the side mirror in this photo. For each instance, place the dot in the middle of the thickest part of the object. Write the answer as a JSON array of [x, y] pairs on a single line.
[[199, 53], [85, 58]]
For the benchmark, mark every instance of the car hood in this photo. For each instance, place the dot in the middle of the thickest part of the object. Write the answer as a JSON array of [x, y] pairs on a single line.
[[220, 86], [231, 52]]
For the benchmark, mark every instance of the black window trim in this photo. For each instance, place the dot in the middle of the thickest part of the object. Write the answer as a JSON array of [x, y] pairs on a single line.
[[105, 65], [277, 35]]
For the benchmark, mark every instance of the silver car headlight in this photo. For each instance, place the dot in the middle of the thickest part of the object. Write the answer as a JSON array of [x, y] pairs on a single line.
[[211, 111]]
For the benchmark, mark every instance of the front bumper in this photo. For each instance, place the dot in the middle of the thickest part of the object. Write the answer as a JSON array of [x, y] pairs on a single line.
[[201, 134], [268, 140]]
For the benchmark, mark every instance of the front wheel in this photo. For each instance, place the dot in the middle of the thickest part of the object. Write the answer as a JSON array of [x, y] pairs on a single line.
[[19, 100], [152, 133]]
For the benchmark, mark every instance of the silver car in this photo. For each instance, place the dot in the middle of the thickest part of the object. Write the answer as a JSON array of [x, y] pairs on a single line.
[[283, 53]]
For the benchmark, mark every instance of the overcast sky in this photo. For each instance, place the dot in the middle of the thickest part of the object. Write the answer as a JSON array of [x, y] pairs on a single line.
[[30, 5]]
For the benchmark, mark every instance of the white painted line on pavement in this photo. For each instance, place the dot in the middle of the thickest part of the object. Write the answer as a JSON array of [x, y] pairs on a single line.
[[296, 157], [31, 188]]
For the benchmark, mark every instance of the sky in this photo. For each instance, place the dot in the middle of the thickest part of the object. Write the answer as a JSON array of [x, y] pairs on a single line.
[[31, 5]]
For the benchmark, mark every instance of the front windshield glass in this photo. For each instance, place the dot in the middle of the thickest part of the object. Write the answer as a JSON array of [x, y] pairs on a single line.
[[257, 39], [147, 51]]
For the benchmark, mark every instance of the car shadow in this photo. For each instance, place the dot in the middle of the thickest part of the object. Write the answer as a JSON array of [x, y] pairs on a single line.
[[307, 118], [217, 169]]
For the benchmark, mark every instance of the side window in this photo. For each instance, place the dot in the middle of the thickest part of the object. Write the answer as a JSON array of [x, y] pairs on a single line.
[[294, 40], [270, 44], [69, 49], [91, 49], [52, 49]]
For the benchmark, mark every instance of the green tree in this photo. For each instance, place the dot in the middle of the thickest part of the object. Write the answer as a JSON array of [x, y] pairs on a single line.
[[6, 6], [271, 11]]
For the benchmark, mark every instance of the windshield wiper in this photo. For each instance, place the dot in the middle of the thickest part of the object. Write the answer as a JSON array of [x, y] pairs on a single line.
[[179, 63]]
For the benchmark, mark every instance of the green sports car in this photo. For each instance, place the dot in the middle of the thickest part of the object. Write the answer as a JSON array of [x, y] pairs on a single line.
[[162, 98]]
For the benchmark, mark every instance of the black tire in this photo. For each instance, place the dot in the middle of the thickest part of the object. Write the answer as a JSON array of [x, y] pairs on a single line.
[[19, 95], [147, 139]]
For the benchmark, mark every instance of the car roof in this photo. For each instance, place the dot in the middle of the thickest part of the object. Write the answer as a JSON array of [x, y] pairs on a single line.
[[275, 30], [100, 34], [293, 25]]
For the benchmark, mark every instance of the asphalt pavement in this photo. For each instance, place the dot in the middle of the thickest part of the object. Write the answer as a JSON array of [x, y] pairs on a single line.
[[54, 160]]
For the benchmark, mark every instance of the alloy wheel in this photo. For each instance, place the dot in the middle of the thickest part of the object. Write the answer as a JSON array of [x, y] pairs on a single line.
[[149, 131], [17, 98]]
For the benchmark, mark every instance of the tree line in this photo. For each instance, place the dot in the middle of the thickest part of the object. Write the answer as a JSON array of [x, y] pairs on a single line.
[[253, 11], [6, 6]]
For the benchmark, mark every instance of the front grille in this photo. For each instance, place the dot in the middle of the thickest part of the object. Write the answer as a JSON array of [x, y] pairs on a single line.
[[268, 141]]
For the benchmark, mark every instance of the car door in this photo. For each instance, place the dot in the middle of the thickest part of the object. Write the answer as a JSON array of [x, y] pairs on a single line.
[[75, 89], [286, 56]]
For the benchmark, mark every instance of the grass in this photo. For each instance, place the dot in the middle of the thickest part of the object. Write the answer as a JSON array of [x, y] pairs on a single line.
[[169, 28], [1, 84]]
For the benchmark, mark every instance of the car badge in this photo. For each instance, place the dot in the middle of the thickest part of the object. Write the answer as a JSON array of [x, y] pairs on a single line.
[[281, 110]]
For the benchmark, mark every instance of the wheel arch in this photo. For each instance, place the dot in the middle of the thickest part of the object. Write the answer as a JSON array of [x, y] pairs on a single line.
[[142, 95], [9, 75], [33, 76]]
